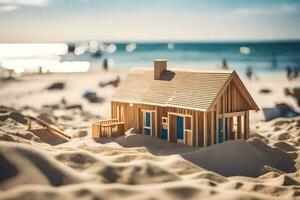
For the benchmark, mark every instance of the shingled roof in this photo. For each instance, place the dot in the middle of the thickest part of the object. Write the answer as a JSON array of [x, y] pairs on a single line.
[[195, 90]]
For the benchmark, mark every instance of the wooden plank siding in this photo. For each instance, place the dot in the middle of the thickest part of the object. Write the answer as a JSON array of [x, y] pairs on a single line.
[[133, 118], [232, 103]]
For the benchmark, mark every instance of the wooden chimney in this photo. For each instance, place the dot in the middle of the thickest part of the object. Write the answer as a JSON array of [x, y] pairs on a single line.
[[159, 66]]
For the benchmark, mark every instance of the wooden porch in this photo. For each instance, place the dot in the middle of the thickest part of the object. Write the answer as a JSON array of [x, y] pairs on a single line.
[[107, 128]]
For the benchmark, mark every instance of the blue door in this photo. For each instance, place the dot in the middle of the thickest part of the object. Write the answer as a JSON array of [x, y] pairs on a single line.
[[148, 115], [164, 134], [220, 131], [180, 128], [147, 130]]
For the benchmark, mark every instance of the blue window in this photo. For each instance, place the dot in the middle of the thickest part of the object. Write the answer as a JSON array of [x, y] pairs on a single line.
[[180, 128], [148, 115], [147, 130]]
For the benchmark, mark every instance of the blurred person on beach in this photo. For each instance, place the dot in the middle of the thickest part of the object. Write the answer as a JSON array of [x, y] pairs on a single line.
[[105, 64], [249, 72], [63, 101], [289, 73], [224, 64], [296, 71]]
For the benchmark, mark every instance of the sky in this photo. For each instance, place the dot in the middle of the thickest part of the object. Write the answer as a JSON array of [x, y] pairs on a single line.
[[148, 20]]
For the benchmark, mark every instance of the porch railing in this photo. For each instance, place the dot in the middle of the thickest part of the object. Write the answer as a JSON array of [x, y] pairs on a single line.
[[107, 128], [188, 137]]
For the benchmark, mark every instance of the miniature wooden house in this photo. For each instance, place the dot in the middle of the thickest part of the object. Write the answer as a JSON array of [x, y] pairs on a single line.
[[196, 108]]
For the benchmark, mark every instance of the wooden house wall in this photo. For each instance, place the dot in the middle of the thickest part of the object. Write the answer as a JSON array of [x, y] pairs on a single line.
[[234, 100], [133, 119]]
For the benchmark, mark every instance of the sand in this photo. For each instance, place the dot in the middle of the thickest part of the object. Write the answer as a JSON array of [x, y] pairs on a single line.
[[36, 165]]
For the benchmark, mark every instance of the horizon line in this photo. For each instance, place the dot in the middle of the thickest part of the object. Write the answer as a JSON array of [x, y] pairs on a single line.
[[163, 41]]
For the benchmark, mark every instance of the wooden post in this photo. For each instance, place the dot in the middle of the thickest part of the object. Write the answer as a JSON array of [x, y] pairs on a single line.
[[205, 129], [217, 124], [118, 112], [234, 120], [231, 128], [192, 130], [111, 110], [184, 135], [100, 131], [122, 114], [197, 131], [151, 125], [229, 99], [246, 125], [212, 139], [156, 128], [228, 128], [143, 131], [169, 120], [29, 124], [239, 127], [223, 118]]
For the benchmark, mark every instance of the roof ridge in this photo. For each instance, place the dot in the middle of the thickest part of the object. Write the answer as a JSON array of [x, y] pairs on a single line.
[[217, 71]]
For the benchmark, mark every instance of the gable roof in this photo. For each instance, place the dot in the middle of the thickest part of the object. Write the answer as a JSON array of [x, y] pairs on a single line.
[[197, 90]]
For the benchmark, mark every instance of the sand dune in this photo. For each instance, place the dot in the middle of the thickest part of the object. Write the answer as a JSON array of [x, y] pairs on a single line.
[[222, 158], [237, 157], [43, 171]]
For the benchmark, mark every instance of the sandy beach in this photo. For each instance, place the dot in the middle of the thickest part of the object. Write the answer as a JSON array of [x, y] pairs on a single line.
[[37, 165]]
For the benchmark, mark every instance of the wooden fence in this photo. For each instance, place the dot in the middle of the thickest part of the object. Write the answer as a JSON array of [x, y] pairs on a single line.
[[107, 128]]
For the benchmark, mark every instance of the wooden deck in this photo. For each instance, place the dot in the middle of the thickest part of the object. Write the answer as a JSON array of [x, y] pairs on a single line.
[[107, 128]]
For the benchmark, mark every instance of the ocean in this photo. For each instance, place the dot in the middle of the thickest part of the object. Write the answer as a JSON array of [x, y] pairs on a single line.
[[262, 57], [265, 58]]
